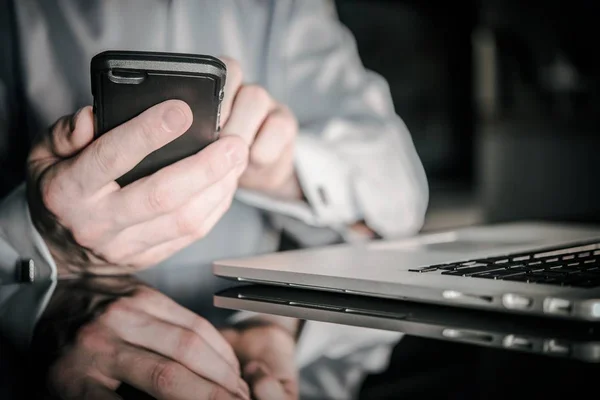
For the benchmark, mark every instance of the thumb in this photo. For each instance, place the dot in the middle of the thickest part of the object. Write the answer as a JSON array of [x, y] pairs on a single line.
[[72, 134]]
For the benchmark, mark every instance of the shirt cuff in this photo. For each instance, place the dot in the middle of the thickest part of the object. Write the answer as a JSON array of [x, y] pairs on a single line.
[[21, 305], [326, 183], [20, 232]]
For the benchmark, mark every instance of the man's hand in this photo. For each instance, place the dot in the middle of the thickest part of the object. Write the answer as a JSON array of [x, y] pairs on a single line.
[[134, 336], [267, 355], [269, 128], [89, 221]]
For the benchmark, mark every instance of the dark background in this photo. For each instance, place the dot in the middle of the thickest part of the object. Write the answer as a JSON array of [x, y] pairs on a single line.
[[501, 98]]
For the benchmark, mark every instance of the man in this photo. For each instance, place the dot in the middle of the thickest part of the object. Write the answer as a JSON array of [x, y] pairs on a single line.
[[317, 154]]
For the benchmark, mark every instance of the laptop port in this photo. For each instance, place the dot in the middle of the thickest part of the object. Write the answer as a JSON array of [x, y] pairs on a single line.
[[554, 305], [516, 302], [467, 335], [517, 342], [557, 347]]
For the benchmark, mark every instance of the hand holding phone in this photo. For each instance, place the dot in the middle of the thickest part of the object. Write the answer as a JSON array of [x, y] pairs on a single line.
[[92, 224], [126, 83]]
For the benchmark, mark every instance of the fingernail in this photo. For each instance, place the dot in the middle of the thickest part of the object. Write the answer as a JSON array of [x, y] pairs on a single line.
[[173, 119]]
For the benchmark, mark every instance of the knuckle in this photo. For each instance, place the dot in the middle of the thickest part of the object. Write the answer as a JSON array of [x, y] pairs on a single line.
[[145, 295], [255, 94], [51, 192], [105, 156], [200, 325], [88, 337], [162, 377], [158, 199], [285, 122], [117, 310], [186, 224], [85, 236], [215, 167], [264, 157], [188, 343]]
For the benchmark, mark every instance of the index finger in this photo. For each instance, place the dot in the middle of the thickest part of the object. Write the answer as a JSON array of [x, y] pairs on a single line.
[[162, 307], [233, 82], [119, 150], [163, 378]]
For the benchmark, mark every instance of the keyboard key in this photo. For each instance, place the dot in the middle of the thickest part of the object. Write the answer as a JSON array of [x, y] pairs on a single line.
[[569, 271], [505, 273], [477, 268], [554, 272], [493, 260], [519, 278], [468, 263], [449, 267], [485, 275], [476, 265], [578, 264], [453, 273], [549, 259], [424, 269]]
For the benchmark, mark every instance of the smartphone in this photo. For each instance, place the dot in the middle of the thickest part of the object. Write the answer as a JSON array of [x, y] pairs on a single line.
[[126, 83]]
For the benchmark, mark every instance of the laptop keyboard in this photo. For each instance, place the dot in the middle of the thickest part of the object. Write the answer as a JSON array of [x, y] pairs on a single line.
[[576, 266]]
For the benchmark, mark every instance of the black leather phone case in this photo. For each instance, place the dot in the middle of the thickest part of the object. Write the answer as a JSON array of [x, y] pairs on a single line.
[[126, 83]]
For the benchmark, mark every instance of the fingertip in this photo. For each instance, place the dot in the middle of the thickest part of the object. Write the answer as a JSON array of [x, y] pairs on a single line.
[[82, 131], [182, 105], [82, 119], [71, 134], [176, 116]]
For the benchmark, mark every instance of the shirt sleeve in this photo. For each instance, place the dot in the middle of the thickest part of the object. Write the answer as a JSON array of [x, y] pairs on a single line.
[[21, 304], [355, 158]]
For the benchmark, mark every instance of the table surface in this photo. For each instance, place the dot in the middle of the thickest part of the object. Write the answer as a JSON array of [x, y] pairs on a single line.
[[84, 292]]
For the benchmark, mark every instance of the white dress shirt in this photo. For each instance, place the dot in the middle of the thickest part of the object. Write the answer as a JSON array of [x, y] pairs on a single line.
[[354, 156]]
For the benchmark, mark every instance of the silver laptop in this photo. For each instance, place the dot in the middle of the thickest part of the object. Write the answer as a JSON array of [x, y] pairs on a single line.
[[527, 267], [578, 340]]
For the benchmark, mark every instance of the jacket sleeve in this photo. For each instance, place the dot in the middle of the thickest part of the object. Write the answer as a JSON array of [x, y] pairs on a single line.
[[21, 303], [354, 157]]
